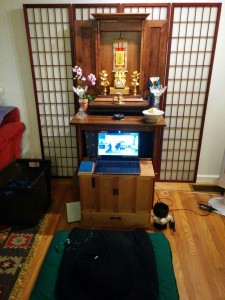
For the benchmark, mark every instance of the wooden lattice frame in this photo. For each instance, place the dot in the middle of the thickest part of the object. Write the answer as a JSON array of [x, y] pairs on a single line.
[[180, 155], [193, 35]]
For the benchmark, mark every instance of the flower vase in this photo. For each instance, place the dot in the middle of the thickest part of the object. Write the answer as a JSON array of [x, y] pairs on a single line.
[[85, 104], [81, 113], [156, 102]]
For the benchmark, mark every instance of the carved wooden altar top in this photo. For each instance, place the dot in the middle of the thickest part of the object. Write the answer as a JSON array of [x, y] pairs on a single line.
[[120, 16]]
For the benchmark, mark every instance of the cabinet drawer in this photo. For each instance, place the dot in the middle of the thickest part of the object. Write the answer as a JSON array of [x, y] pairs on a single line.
[[123, 220]]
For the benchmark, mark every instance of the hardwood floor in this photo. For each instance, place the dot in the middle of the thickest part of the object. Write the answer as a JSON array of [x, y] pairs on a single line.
[[198, 244]]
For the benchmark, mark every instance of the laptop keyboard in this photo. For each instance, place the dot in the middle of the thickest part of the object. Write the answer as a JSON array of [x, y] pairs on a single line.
[[117, 167], [118, 164]]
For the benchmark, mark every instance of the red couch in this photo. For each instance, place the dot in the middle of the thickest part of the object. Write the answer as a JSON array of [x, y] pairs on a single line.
[[11, 131]]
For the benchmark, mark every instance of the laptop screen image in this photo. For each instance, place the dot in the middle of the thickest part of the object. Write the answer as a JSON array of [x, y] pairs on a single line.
[[118, 144]]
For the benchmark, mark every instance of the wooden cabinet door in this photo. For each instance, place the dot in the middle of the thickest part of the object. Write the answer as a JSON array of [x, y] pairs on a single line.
[[105, 189], [87, 194], [115, 193], [84, 37], [144, 194], [126, 194], [154, 49]]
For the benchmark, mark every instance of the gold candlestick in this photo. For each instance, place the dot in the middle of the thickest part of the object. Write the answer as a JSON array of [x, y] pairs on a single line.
[[104, 81], [135, 83]]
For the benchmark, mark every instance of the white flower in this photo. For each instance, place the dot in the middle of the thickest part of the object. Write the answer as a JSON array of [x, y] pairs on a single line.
[[80, 90]]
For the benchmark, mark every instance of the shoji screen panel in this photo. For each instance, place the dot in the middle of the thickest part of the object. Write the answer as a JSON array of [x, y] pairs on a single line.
[[156, 11], [83, 12], [49, 40], [193, 39]]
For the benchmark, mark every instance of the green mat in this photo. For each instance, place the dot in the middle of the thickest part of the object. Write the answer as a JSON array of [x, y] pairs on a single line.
[[45, 286]]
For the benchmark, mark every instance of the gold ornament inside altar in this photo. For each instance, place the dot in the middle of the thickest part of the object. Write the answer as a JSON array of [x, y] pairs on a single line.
[[135, 77], [119, 83], [104, 81], [119, 67], [118, 99]]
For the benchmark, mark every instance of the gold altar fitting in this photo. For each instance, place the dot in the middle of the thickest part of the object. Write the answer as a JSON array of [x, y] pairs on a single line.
[[120, 79], [118, 99], [135, 77], [104, 81], [119, 82]]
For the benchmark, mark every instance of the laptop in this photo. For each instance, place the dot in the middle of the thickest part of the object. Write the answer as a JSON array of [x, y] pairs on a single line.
[[118, 153]]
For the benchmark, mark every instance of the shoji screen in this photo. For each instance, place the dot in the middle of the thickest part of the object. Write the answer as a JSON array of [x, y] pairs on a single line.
[[193, 38], [49, 40]]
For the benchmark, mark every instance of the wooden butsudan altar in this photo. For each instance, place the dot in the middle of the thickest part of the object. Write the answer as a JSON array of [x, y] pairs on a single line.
[[121, 45], [123, 50]]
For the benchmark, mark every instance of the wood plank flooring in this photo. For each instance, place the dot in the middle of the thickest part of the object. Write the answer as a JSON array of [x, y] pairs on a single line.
[[198, 244]]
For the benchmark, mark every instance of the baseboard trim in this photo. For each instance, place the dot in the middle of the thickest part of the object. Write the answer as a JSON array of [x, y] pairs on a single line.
[[208, 178]]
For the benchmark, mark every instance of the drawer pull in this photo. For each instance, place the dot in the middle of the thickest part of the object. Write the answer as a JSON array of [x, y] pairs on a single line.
[[115, 218], [93, 182], [115, 192]]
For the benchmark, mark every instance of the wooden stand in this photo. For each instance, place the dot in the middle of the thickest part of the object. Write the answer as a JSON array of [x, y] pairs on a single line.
[[130, 123], [124, 91], [126, 108], [117, 200]]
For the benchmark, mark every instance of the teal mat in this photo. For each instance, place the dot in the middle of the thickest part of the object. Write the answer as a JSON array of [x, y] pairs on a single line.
[[45, 286]]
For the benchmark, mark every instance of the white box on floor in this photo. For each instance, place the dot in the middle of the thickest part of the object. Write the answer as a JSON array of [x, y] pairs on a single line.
[[73, 211]]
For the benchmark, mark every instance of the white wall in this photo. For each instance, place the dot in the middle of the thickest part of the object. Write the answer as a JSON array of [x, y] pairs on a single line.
[[213, 143], [15, 78]]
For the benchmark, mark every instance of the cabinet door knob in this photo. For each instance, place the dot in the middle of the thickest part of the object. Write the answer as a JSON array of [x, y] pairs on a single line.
[[115, 192], [115, 218], [93, 182]]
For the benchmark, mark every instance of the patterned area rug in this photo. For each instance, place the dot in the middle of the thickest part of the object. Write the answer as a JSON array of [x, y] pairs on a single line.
[[17, 248]]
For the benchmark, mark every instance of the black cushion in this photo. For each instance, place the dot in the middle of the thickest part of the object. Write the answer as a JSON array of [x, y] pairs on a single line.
[[107, 264]]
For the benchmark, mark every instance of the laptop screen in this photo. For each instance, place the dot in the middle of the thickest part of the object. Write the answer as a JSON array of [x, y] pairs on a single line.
[[118, 143]]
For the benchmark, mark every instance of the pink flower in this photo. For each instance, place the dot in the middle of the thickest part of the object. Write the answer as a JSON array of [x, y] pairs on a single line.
[[81, 89], [92, 79], [78, 72]]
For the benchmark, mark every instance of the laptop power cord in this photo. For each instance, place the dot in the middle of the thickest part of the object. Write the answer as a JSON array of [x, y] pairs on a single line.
[[206, 207]]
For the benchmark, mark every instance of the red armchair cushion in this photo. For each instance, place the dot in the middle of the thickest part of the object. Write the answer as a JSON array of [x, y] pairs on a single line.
[[11, 115], [11, 131]]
